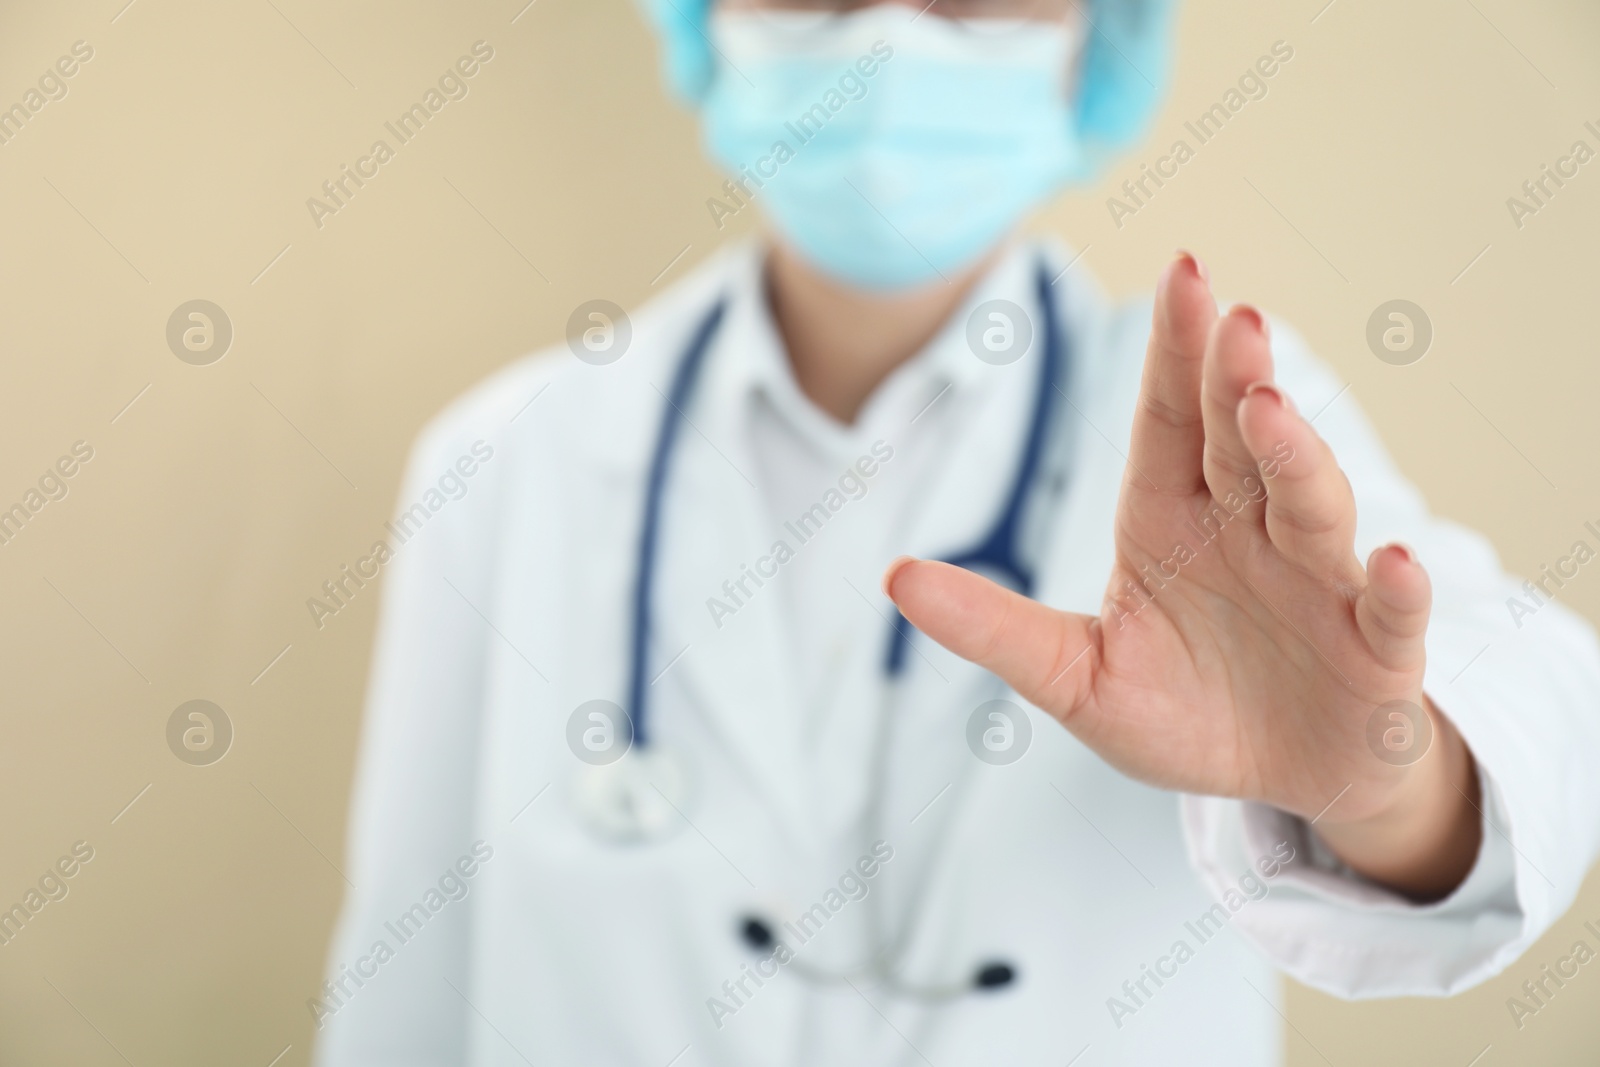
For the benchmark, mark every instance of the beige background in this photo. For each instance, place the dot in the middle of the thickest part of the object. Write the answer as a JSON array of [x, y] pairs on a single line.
[[178, 566]]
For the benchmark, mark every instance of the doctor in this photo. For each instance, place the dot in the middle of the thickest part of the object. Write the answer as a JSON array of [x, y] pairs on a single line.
[[1189, 687]]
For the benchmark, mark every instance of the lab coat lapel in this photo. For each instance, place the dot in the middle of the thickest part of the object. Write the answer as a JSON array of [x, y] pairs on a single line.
[[969, 482], [728, 633]]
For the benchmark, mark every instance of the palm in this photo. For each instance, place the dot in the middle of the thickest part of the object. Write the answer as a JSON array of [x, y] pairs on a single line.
[[1242, 648], [1246, 676]]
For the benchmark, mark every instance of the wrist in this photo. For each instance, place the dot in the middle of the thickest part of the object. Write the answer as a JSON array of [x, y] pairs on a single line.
[[1424, 841]]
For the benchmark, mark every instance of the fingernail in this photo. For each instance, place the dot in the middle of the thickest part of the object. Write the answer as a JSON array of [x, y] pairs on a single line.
[[1258, 320], [893, 569], [1404, 549], [1195, 262], [1273, 391]]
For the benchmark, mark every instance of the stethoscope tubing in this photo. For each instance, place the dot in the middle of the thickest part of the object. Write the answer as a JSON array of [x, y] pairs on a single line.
[[683, 383]]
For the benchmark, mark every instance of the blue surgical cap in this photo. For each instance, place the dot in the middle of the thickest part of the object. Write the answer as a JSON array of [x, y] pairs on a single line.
[[1125, 66]]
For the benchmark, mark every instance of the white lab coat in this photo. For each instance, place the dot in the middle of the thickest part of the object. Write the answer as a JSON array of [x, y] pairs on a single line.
[[509, 607]]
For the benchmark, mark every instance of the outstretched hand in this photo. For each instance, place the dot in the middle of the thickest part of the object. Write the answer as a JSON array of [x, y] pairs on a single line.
[[1242, 649]]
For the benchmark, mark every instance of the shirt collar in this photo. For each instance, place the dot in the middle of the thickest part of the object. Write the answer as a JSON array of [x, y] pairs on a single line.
[[752, 366]]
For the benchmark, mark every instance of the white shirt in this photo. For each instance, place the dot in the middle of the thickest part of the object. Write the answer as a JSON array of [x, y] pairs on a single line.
[[801, 452]]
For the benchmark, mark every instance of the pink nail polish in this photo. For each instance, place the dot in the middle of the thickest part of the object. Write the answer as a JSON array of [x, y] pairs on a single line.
[[1404, 549], [1199, 265], [1258, 320], [1270, 390]]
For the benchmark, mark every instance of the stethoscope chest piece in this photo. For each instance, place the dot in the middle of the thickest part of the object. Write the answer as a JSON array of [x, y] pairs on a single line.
[[638, 798]]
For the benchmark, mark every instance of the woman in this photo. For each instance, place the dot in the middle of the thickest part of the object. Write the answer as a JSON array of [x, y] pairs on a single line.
[[654, 773]]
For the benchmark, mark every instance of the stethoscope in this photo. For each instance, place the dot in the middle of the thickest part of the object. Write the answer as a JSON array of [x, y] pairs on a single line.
[[640, 797]]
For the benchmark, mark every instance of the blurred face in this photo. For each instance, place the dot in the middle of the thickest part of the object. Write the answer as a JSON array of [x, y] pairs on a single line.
[[893, 144]]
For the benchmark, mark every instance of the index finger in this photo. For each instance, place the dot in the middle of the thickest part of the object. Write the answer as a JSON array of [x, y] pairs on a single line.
[[1168, 442]]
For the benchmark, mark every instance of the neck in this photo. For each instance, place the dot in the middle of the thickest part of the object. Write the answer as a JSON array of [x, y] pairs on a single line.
[[843, 342]]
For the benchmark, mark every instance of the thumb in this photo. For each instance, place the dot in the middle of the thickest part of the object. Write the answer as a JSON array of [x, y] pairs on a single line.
[[1046, 655]]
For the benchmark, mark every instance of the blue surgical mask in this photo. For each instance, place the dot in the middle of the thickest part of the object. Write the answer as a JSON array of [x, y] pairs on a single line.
[[890, 149]]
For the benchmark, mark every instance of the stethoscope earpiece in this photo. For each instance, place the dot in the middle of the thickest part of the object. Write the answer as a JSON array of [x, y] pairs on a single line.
[[757, 934], [996, 974]]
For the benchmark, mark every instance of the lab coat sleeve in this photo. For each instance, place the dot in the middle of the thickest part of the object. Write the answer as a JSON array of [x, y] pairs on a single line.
[[1524, 691], [412, 805]]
